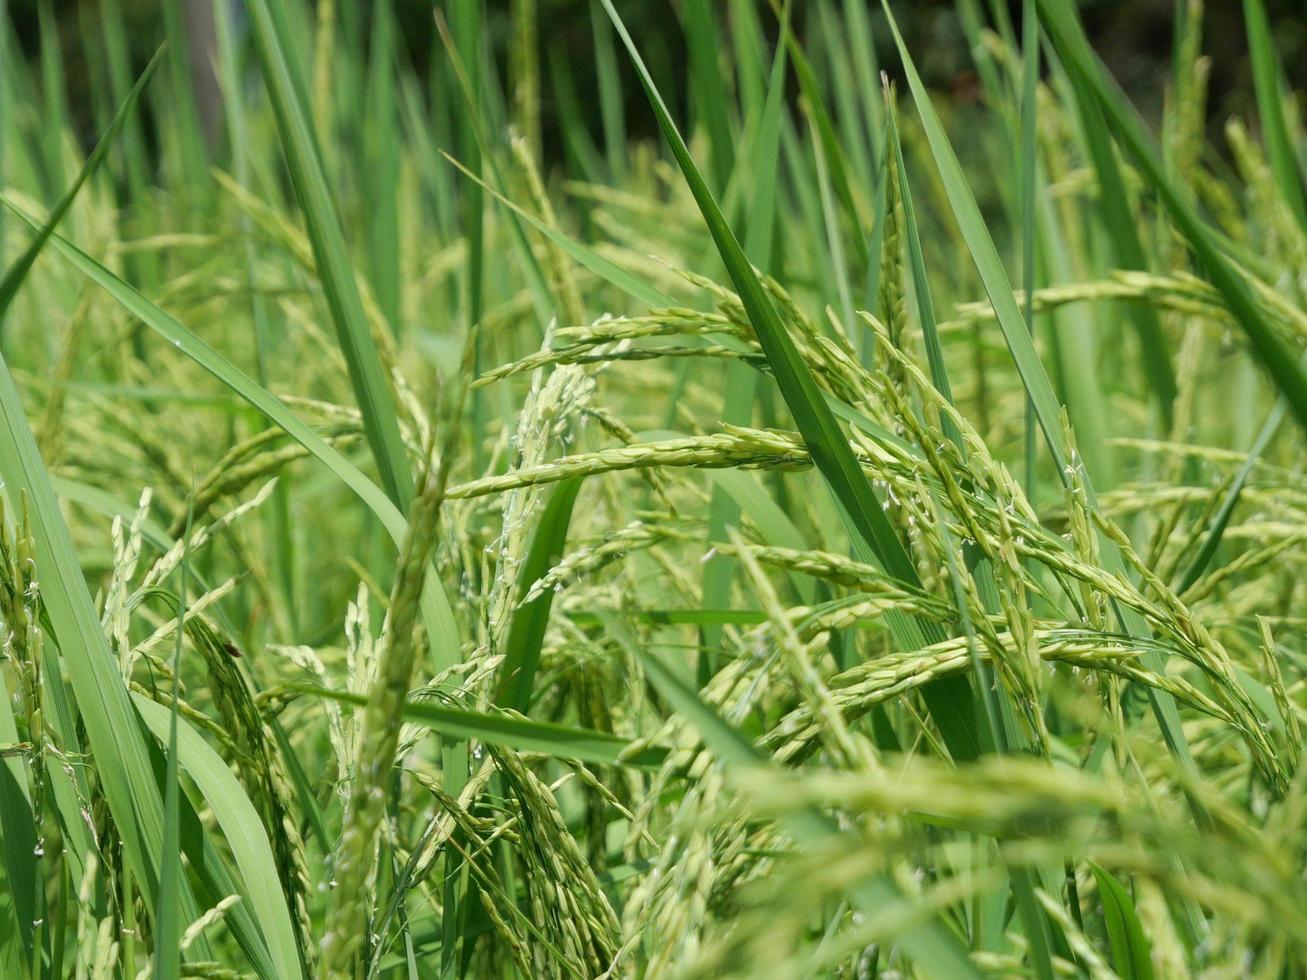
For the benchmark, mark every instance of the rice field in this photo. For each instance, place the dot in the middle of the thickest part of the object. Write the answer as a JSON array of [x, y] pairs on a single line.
[[699, 502]]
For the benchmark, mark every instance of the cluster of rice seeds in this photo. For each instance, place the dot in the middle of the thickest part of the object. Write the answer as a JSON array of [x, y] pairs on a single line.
[[1004, 527], [263, 770], [240, 724], [548, 415], [565, 899], [349, 939], [671, 901], [707, 849]]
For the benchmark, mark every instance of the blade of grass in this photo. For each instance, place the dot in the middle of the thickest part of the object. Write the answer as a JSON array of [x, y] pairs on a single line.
[[263, 899], [1028, 172], [380, 151], [839, 269], [466, 34], [1222, 518], [167, 918], [303, 159], [741, 379], [559, 741], [612, 114], [747, 49], [1130, 947], [1073, 348], [862, 50], [17, 832], [54, 101], [114, 38], [708, 91], [475, 119], [830, 144], [17, 272], [583, 159], [180, 111], [526, 631], [849, 114], [1271, 103], [921, 278], [1113, 206], [260, 314]]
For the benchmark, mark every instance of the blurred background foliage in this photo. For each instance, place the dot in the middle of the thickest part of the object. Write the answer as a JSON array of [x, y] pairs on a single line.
[[1134, 38]]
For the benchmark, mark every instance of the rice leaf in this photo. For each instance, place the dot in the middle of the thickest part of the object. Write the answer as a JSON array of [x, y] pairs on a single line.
[[18, 832], [526, 631], [560, 741], [168, 922], [1130, 947], [17, 271], [235, 816], [1271, 104], [303, 159]]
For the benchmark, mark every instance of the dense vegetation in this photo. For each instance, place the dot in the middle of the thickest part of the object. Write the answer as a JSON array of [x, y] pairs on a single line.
[[439, 543]]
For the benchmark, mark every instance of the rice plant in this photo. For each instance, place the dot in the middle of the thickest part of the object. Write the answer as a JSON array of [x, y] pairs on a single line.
[[621, 508]]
